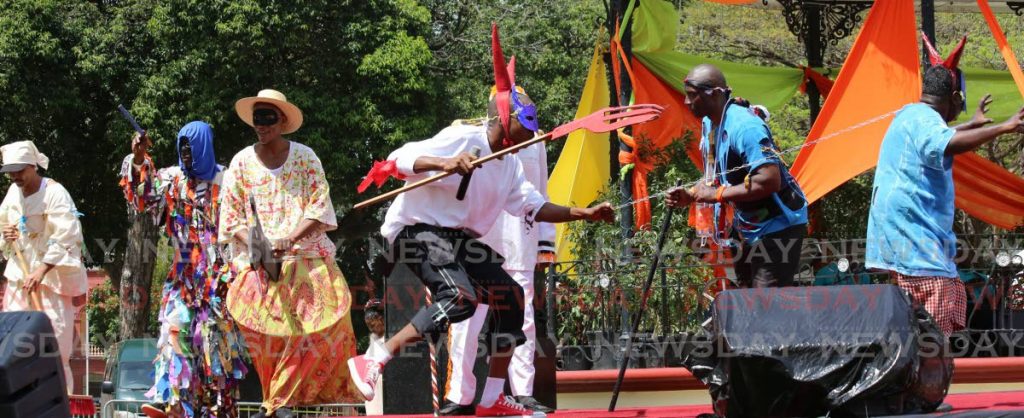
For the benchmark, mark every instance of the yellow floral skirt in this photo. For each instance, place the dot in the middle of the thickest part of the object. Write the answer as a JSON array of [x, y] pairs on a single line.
[[298, 332]]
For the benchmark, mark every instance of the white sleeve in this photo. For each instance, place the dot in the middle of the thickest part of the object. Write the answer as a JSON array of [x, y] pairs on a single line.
[[6, 219], [64, 246], [445, 144], [523, 199]]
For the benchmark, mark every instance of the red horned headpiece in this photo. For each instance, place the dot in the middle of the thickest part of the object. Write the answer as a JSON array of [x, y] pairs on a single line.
[[504, 77], [952, 61]]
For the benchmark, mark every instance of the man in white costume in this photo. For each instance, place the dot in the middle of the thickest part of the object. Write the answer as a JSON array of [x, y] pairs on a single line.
[[522, 243], [43, 245]]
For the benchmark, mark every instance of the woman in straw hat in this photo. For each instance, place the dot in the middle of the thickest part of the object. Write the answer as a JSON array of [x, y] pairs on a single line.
[[296, 319], [43, 243], [200, 353]]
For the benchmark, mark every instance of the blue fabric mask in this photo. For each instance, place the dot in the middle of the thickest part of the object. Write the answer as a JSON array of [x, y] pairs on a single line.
[[200, 139]]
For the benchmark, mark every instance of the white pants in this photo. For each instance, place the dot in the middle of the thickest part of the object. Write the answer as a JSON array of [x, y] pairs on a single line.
[[463, 339], [61, 312]]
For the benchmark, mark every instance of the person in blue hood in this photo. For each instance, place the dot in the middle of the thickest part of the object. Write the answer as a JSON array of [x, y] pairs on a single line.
[[201, 355]]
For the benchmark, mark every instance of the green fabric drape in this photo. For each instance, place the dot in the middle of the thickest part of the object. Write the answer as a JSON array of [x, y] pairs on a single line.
[[656, 25], [772, 87]]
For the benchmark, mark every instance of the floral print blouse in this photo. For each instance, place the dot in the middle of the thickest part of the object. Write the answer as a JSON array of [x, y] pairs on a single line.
[[283, 197]]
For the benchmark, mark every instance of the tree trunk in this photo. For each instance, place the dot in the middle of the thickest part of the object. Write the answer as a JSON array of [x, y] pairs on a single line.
[[137, 276]]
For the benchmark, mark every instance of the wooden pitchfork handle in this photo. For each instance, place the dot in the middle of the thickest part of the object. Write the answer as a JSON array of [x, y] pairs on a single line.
[[476, 163], [603, 120], [33, 297]]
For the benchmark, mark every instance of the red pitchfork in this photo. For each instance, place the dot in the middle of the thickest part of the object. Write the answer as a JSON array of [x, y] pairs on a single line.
[[604, 120]]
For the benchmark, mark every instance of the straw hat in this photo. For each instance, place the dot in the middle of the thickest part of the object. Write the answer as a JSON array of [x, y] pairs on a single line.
[[291, 112], [21, 154]]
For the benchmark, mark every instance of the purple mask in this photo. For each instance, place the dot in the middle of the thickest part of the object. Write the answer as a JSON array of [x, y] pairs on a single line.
[[527, 114]]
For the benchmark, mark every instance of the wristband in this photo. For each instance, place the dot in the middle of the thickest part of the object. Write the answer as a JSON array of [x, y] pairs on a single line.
[[721, 190]]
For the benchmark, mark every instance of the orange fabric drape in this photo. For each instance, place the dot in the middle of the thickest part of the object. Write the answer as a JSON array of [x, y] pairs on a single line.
[[674, 122], [1004, 47], [614, 48], [987, 191], [822, 83], [881, 74], [984, 189]]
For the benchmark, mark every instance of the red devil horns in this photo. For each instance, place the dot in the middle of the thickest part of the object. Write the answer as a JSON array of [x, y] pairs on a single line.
[[952, 61], [503, 82], [502, 79]]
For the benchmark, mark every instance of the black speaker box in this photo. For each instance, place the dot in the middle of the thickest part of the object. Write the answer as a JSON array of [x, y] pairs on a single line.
[[31, 375]]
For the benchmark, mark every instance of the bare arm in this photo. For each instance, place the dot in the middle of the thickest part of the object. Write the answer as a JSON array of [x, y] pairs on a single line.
[[306, 226], [764, 181], [140, 145], [461, 163], [979, 119], [971, 139], [553, 213]]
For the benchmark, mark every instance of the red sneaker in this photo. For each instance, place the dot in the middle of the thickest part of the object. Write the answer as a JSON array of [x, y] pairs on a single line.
[[154, 410], [505, 406], [364, 374]]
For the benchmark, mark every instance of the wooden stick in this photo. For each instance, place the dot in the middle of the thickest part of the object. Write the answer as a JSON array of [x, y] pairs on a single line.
[[655, 263], [33, 297], [476, 163], [434, 391]]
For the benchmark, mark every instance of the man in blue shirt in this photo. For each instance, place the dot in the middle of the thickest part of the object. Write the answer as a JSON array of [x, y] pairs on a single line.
[[910, 225], [769, 209]]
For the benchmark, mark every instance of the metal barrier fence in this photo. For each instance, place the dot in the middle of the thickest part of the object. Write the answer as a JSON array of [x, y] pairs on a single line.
[[132, 409]]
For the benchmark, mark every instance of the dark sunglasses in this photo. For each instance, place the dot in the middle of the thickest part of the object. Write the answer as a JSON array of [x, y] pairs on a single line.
[[264, 117]]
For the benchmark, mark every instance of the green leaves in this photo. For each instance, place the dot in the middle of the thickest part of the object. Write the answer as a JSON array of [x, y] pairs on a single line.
[[369, 75]]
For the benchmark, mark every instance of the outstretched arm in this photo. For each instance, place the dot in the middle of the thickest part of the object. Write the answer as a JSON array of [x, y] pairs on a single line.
[[970, 139], [764, 181], [979, 119], [553, 213]]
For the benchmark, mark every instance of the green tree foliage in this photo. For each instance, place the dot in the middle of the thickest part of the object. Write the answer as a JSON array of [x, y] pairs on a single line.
[[605, 281], [369, 76]]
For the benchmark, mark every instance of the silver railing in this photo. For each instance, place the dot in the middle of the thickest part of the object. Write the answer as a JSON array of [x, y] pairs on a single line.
[[133, 409]]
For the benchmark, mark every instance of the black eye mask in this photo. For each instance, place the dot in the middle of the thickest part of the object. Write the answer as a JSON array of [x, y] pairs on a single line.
[[185, 148], [264, 117]]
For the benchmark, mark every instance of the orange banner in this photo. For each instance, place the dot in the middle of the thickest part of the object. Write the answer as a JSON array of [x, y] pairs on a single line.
[[672, 125], [987, 191], [880, 75], [1004, 47]]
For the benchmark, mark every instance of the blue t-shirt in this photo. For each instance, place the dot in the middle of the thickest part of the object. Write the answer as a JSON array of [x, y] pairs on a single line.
[[910, 226], [746, 141]]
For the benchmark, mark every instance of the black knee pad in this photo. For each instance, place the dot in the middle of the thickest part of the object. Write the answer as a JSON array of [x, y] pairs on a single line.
[[462, 310]]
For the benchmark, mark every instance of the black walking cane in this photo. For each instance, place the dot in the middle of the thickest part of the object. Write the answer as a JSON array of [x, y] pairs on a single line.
[[643, 304]]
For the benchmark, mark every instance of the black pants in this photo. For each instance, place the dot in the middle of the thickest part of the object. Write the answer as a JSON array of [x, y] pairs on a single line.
[[461, 272], [773, 260]]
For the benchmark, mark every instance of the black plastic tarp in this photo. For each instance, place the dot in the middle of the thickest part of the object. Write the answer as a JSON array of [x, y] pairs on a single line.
[[861, 350]]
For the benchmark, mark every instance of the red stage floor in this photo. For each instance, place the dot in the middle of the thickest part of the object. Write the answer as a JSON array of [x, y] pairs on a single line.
[[964, 402]]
